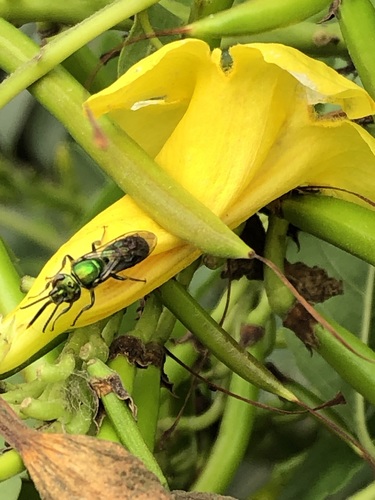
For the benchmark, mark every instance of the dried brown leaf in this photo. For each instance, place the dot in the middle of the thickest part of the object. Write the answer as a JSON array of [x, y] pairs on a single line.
[[78, 467]]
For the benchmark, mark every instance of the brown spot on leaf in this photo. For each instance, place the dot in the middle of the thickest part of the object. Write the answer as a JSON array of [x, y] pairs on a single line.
[[141, 355], [302, 324], [138, 353], [112, 383], [250, 335], [313, 283]]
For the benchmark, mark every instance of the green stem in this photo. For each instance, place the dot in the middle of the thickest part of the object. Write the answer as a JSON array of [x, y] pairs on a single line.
[[67, 12], [107, 431], [66, 44], [359, 401], [357, 23], [313, 39], [146, 392], [196, 423], [217, 340], [204, 8], [146, 325], [10, 465], [124, 423], [53, 409], [27, 390], [366, 494], [11, 294], [147, 398], [256, 16], [280, 298], [229, 448], [148, 29], [167, 202], [342, 223]]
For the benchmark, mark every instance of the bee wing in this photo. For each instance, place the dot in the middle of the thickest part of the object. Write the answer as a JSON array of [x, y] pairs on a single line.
[[149, 237]]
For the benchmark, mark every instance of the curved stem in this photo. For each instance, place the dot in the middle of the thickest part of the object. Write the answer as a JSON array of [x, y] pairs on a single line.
[[357, 23], [11, 464], [218, 341], [124, 423], [359, 402], [313, 39], [199, 422], [230, 446], [67, 12], [148, 29], [66, 44]]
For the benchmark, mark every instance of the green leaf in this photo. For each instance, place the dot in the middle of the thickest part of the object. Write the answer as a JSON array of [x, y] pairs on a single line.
[[328, 468]]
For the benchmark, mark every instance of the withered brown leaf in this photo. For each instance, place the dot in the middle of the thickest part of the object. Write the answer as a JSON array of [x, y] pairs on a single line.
[[64, 466]]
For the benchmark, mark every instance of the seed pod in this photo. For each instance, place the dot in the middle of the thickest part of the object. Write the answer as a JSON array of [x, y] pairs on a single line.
[[256, 16], [357, 23]]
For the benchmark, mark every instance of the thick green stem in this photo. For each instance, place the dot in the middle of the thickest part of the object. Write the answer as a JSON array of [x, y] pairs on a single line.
[[124, 423], [357, 23], [233, 438], [218, 341], [343, 224], [67, 12], [204, 8], [146, 391], [360, 420], [256, 16], [313, 39], [66, 44], [133, 170], [147, 398], [280, 298], [10, 465]]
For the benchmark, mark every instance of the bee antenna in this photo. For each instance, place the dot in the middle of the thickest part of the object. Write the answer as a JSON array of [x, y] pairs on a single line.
[[38, 300], [44, 306]]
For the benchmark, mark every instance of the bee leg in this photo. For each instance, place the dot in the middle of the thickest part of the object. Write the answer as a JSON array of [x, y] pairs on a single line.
[[61, 313], [125, 278], [86, 308], [50, 318], [98, 243], [62, 265]]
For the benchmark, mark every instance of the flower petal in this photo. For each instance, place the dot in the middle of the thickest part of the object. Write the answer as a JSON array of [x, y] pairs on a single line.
[[237, 137], [339, 154], [151, 97], [322, 84]]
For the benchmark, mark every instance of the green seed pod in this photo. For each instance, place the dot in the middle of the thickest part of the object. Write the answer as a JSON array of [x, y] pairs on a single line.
[[344, 224], [357, 23], [256, 16]]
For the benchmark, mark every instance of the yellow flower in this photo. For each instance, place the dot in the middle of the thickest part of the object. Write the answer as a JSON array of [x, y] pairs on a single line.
[[237, 135]]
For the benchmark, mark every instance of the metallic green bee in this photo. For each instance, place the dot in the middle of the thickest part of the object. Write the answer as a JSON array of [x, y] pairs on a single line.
[[92, 269]]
